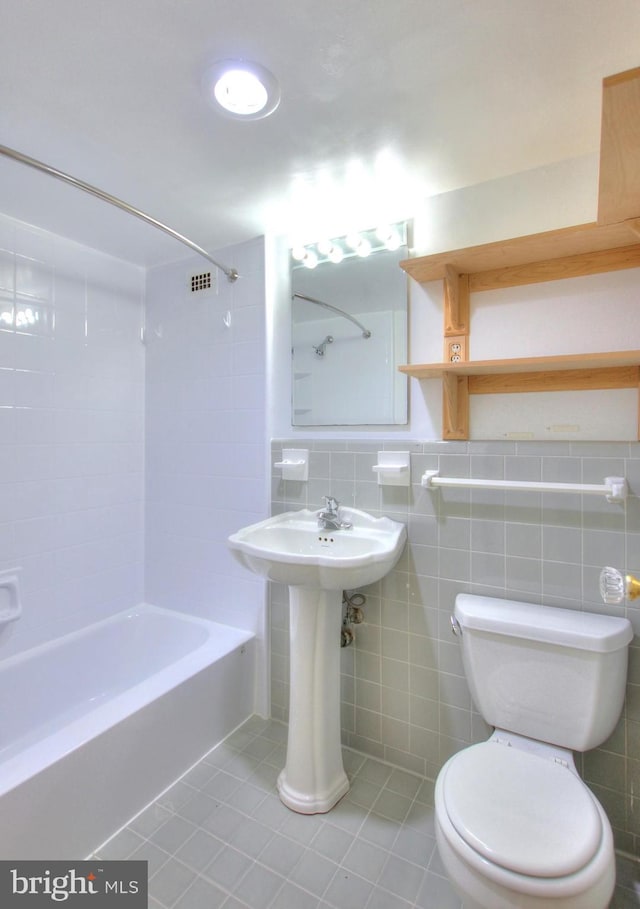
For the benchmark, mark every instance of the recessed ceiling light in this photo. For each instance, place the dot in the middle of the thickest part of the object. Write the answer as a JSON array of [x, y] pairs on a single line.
[[241, 89]]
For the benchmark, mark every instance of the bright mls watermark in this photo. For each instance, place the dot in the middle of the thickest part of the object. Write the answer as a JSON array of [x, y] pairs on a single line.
[[101, 885]]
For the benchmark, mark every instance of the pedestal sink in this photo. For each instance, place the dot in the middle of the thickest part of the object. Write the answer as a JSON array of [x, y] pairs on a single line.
[[317, 565]]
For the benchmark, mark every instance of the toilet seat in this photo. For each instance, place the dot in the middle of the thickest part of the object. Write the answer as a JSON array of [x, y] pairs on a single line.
[[486, 792]]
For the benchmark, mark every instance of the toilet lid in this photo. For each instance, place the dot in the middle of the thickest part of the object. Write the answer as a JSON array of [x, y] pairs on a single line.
[[521, 811]]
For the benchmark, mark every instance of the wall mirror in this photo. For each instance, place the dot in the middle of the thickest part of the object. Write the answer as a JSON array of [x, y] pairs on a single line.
[[349, 330]]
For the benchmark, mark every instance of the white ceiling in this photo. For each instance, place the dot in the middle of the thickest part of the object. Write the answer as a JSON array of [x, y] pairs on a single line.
[[383, 103]]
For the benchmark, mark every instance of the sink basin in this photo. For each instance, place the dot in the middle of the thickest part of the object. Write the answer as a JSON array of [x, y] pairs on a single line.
[[317, 565], [289, 548]]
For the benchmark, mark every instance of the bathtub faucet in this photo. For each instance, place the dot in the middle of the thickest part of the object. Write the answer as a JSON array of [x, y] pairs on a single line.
[[329, 516]]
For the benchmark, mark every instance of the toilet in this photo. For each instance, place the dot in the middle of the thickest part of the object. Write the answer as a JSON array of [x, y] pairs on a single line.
[[515, 824]]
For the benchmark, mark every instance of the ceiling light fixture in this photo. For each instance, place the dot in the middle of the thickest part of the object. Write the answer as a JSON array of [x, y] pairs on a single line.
[[241, 89]]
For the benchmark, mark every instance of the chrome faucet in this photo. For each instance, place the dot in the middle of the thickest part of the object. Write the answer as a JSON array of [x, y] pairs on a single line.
[[329, 516]]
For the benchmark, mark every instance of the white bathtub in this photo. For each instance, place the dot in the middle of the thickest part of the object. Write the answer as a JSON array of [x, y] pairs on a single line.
[[95, 724]]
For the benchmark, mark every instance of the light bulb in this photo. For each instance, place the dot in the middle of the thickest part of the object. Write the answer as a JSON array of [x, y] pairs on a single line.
[[389, 236], [240, 92], [336, 255], [310, 260], [363, 248], [243, 90]]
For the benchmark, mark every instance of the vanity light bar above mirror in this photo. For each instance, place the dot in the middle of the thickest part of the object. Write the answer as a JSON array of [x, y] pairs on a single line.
[[386, 237]]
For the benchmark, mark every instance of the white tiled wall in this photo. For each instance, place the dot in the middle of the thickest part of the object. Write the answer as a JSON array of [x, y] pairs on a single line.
[[74, 434], [206, 463], [404, 695], [71, 431]]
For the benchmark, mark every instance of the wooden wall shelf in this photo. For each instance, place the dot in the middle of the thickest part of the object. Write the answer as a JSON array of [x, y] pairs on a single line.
[[591, 362], [570, 252], [574, 372], [611, 244]]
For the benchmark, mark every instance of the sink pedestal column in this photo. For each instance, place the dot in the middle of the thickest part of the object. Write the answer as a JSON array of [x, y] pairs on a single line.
[[313, 779]]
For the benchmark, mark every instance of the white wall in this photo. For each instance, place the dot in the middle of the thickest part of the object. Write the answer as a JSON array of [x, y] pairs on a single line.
[[560, 195], [206, 457], [71, 432]]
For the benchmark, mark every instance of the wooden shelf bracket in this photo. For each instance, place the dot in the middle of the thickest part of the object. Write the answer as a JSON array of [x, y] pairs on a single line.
[[455, 407]]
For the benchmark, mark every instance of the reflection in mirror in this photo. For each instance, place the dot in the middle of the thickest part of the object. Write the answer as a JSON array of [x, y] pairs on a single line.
[[349, 330]]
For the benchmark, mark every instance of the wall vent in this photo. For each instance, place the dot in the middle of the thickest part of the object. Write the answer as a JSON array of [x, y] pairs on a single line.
[[203, 281]]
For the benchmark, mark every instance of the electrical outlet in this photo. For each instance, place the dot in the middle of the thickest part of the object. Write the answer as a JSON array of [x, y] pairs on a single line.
[[455, 349]]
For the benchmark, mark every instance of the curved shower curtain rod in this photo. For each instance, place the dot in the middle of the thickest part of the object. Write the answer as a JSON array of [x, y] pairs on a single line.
[[365, 331], [230, 273]]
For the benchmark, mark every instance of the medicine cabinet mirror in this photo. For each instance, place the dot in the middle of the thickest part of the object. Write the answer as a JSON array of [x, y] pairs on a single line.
[[349, 330]]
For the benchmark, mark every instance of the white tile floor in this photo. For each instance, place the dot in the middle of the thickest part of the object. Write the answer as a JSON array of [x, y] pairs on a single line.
[[220, 837]]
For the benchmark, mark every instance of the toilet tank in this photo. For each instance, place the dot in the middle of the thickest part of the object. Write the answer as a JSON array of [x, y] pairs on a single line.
[[555, 675]]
